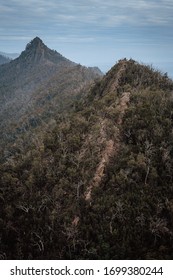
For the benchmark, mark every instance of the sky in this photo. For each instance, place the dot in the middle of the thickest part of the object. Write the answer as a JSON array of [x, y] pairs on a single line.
[[93, 32]]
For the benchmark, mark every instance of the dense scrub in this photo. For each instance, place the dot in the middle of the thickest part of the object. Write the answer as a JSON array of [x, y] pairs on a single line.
[[44, 213]]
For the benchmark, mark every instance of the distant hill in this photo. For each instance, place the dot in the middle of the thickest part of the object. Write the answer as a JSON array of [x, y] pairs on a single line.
[[4, 59], [10, 55], [98, 183], [37, 85]]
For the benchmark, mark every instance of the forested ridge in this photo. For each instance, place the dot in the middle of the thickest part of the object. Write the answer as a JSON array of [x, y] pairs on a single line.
[[34, 89], [98, 183]]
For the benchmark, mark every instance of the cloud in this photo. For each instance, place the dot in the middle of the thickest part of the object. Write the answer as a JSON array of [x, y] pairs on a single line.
[[86, 12], [15, 38], [80, 23], [73, 39]]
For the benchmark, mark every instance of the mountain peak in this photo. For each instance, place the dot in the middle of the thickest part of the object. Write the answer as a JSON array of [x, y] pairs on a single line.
[[36, 51], [37, 39], [36, 42]]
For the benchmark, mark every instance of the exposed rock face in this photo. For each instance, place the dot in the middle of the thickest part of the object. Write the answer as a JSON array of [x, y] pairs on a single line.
[[37, 52]]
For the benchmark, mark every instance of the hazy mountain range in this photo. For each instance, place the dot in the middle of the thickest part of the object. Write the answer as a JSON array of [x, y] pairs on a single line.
[[4, 59], [86, 159], [10, 55]]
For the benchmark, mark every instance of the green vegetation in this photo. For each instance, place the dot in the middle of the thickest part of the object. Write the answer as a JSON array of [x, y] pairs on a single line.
[[34, 88], [43, 205]]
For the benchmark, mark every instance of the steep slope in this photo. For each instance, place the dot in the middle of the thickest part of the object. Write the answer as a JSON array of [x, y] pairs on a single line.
[[35, 87], [32, 69], [99, 186], [111, 148]]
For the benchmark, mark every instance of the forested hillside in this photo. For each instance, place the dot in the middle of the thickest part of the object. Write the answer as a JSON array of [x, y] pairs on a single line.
[[34, 88], [99, 184]]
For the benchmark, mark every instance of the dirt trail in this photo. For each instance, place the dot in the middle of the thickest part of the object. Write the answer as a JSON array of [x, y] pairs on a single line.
[[112, 146], [115, 82], [110, 150]]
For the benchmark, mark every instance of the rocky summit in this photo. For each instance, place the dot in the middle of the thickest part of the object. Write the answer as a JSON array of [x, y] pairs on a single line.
[[36, 86]]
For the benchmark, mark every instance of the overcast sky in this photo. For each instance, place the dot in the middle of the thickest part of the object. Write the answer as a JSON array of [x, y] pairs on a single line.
[[92, 32]]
